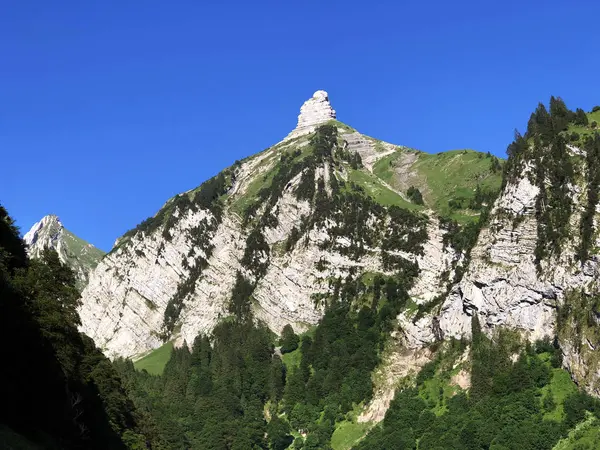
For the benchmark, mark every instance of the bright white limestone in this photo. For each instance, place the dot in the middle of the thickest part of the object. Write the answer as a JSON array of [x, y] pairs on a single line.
[[315, 111], [502, 285], [73, 251]]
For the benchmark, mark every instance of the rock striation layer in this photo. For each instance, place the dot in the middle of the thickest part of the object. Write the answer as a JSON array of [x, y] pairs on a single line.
[[315, 111], [505, 288]]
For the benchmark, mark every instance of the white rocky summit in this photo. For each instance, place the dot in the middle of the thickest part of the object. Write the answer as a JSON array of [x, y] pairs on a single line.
[[49, 232], [44, 233], [315, 111]]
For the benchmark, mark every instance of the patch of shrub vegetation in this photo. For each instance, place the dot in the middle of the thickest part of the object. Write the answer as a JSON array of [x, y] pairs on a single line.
[[289, 340], [200, 240], [415, 196], [545, 147]]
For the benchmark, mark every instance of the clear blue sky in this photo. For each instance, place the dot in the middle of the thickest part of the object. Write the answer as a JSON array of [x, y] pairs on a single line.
[[109, 108]]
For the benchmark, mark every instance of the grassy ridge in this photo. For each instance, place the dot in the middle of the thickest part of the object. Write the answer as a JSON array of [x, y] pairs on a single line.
[[560, 387], [85, 252], [586, 130]]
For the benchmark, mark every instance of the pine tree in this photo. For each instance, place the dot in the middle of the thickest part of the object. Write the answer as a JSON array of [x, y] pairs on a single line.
[[415, 196], [581, 117], [294, 393], [561, 116], [279, 431], [277, 374], [289, 339]]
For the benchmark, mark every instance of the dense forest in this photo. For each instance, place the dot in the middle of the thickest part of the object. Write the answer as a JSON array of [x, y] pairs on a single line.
[[57, 390], [511, 403], [231, 390]]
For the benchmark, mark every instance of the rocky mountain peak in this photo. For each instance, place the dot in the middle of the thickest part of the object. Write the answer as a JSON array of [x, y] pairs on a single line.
[[314, 111], [44, 233], [78, 254]]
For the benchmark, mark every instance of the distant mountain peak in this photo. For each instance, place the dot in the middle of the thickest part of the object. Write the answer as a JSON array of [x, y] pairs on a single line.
[[78, 254], [49, 227], [315, 111]]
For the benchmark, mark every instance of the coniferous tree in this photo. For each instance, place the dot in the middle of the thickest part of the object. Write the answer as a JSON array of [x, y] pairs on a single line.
[[561, 115], [58, 389], [279, 431], [289, 339], [415, 196], [581, 117]]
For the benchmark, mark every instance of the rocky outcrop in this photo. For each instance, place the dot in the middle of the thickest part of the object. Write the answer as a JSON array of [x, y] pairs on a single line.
[[398, 364], [504, 287], [315, 111], [81, 256]]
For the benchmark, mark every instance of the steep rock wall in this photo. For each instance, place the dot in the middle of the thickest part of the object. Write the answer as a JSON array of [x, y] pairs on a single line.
[[125, 303]]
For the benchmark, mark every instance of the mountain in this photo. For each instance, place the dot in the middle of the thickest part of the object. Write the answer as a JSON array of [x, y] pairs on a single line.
[[329, 213], [442, 301], [81, 256], [534, 267], [289, 227]]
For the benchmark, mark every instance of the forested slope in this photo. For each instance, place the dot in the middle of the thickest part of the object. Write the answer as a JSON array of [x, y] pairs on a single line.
[[57, 390]]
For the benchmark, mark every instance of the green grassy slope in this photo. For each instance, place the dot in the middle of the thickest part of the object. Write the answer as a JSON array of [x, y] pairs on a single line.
[[587, 130], [292, 360], [586, 436], [85, 252], [155, 361], [347, 434], [442, 177], [560, 387], [380, 193]]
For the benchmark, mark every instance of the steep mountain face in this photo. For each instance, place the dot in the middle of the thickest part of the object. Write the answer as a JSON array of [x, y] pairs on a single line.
[[320, 215], [81, 256], [534, 267]]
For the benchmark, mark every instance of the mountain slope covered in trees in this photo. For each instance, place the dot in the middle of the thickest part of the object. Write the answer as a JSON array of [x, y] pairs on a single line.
[[494, 387], [58, 390]]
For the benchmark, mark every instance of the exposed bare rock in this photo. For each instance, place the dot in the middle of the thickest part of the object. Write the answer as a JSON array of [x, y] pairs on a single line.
[[315, 111], [81, 256], [503, 286], [125, 302], [399, 363]]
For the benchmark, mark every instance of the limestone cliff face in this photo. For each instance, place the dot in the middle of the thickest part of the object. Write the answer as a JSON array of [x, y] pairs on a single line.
[[176, 279], [49, 232], [506, 288]]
